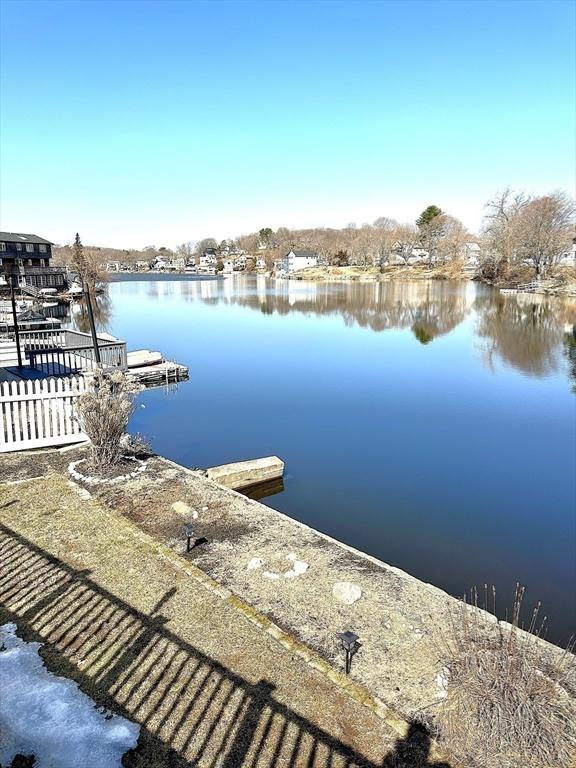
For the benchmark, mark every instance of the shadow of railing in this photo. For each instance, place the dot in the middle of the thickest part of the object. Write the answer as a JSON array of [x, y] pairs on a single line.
[[193, 710]]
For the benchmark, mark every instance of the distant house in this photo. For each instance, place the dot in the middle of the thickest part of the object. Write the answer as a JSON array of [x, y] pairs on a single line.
[[25, 260], [472, 254], [228, 267], [169, 265], [568, 258], [260, 263], [208, 262], [295, 260], [417, 255]]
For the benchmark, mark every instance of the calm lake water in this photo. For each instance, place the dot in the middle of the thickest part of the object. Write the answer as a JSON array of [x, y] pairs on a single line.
[[430, 424]]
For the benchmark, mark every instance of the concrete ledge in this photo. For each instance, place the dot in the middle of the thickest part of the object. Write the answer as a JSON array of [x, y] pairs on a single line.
[[242, 474]]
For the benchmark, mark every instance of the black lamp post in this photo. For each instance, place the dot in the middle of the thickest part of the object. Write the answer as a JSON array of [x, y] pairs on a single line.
[[13, 278], [188, 533], [350, 644], [88, 300]]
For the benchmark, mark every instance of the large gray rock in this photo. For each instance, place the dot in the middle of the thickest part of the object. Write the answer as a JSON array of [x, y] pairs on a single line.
[[346, 592]]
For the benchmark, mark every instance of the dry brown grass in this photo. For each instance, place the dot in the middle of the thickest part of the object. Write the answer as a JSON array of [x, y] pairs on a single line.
[[510, 701]]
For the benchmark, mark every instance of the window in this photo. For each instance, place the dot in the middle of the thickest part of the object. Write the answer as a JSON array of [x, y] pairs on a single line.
[[29, 262], [2, 246], [18, 246], [29, 247], [42, 248]]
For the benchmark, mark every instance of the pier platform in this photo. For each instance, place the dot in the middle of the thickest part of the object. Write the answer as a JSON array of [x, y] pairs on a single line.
[[151, 369]]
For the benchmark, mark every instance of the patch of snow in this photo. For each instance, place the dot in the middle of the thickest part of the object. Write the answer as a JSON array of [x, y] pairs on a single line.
[[298, 567], [255, 563], [270, 575], [48, 716], [346, 592]]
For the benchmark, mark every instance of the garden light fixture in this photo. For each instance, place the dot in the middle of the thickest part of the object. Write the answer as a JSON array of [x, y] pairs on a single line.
[[350, 644], [188, 532]]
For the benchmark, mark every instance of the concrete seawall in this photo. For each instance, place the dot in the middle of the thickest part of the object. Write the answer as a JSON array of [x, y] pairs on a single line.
[[303, 585]]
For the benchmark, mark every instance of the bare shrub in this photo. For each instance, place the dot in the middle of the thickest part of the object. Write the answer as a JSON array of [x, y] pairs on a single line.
[[509, 697], [103, 413]]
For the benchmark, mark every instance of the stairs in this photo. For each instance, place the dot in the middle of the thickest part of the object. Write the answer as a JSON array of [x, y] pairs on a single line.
[[31, 290]]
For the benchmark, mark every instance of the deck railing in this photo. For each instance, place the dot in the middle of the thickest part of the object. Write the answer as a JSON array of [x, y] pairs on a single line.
[[63, 351]]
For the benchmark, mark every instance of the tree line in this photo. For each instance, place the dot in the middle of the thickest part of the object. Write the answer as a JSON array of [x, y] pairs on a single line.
[[518, 230]]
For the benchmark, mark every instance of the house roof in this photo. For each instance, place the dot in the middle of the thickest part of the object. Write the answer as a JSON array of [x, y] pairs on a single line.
[[308, 254], [19, 237]]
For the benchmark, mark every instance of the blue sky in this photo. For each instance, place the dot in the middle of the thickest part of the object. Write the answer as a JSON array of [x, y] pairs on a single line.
[[140, 123]]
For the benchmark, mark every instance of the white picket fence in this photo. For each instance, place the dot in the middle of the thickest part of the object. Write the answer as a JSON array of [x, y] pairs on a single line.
[[36, 414]]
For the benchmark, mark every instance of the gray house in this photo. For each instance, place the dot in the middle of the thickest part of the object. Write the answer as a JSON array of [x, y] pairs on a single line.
[[25, 260]]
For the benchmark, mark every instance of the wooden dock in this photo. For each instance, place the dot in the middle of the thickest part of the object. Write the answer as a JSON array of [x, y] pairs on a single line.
[[151, 370]]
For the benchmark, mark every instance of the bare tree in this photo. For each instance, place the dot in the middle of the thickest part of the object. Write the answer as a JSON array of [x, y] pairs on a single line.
[[407, 239], [452, 239], [386, 236], [88, 265], [545, 228], [499, 231], [185, 251]]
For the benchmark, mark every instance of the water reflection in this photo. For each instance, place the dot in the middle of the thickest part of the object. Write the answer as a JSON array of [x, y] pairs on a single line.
[[526, 331], [521, 330], [101, 308], [570, 352]]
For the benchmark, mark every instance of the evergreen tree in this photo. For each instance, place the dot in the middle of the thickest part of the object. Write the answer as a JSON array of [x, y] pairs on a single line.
[[427, 215], [78, 259]]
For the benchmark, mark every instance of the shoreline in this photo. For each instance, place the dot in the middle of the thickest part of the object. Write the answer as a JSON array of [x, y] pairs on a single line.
[[248, 550], [558, 287]]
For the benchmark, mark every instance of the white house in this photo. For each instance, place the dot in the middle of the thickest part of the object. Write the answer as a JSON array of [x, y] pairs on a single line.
[[228, 266], [568, 258], [472, 254], [260, 263], [208, 263], [295, 260]]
